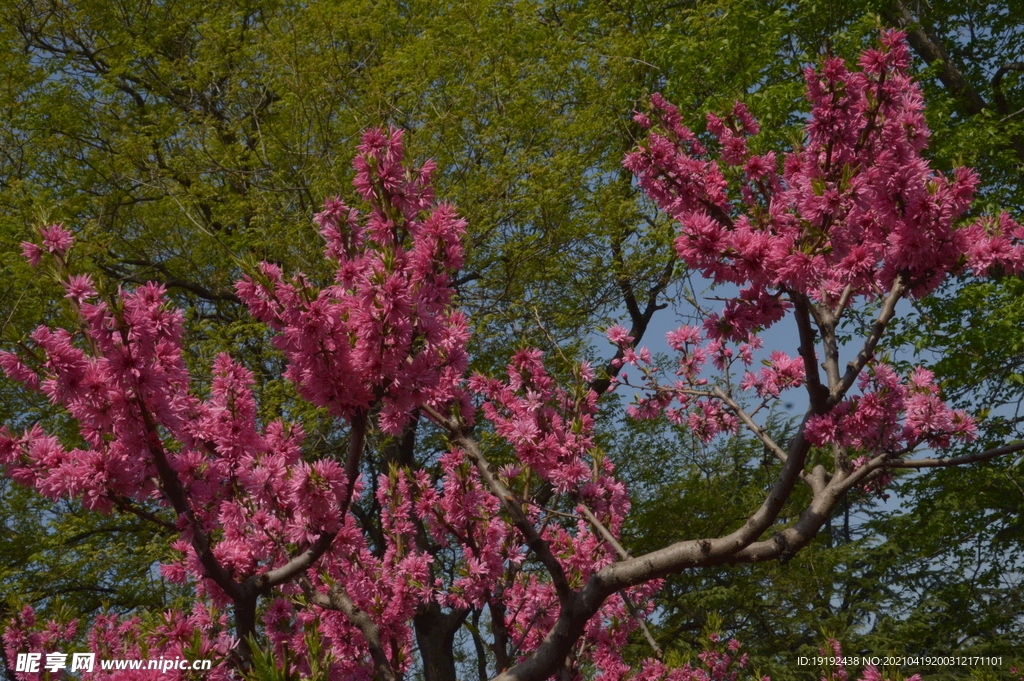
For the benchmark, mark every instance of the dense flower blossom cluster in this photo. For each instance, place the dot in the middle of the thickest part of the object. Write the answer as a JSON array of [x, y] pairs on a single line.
[[386, 331], [381, 341], [855, 207], [199, 635], [891, 414], [278, 543], [856, 213]]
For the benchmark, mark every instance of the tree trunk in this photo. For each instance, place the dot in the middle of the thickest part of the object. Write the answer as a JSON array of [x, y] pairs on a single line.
[[435, 637]]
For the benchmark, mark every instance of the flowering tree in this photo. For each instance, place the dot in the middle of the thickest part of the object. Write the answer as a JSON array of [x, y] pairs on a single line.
[[518, 516]]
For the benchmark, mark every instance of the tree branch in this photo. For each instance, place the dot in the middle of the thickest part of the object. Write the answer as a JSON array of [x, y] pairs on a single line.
[[816, 392], [170, 281], [179, 501], [765, 439], [534, 540], [957, 460], [127, 506], [338, 599], [885, 315], [997, 85], [261, 584], [640, 322], [623, 555]]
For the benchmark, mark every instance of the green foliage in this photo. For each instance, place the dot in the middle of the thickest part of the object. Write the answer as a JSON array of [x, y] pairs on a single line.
[[182, 140], [272, 665]]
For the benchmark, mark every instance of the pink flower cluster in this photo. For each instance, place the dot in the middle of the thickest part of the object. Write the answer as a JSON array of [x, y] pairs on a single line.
[[843, 218], [781, 373], [385, 332], [892, 415], [199, 635], [56, 240], [853, 207], [372, 347]]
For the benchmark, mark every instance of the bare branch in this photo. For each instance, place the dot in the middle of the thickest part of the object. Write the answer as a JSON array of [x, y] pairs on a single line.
[[997, 84], [957, 460], [640, 321], [124, 504], [170, 281], [885, 315], [754, 428]]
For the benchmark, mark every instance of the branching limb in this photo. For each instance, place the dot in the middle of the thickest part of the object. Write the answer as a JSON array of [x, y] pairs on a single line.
[[534, 540], [175, 493], [338, 599], [885, 315], [125, 505], [705, 552], [770, 444], [790, 540], [987, 455], [826, 323], [623, 555], [639, 319], [261, 584]]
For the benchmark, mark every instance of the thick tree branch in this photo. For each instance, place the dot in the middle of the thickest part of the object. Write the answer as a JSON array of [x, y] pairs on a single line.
[[957, 460], [263, 583], [704, 552], [175, 493]]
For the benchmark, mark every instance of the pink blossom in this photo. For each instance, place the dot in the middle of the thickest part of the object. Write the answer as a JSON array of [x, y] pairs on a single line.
[[56, 239]]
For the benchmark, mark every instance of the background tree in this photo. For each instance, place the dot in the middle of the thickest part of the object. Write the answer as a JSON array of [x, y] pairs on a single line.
[[533, 94], [851, 223]]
